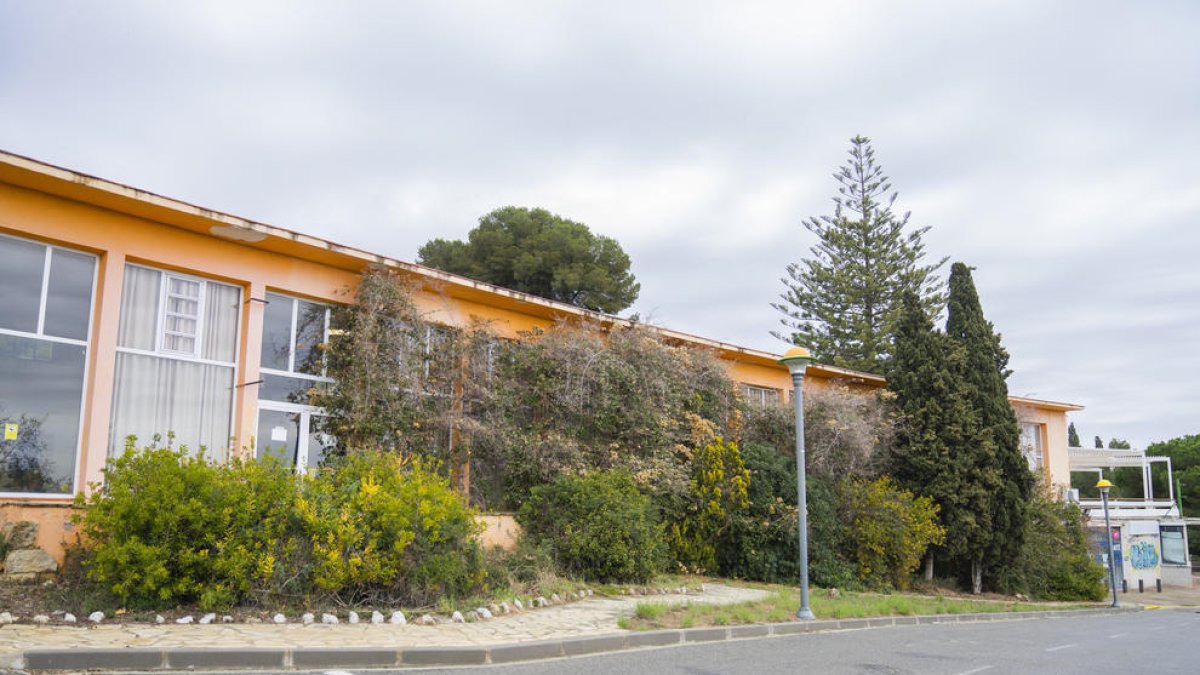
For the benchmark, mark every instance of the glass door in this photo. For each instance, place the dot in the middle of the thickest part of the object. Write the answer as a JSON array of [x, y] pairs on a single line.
[[290, 433]]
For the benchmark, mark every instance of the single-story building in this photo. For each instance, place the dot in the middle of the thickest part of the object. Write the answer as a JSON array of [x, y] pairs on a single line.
[[123, 312]]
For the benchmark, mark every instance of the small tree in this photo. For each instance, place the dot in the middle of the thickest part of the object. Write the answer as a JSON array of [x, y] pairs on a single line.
[[891, 528], [843, 301], [1099, 442], [1119, 444], [1072, 436]]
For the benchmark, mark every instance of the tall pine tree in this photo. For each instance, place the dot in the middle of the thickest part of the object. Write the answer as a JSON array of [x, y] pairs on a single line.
[[843, 301], [1072, 436], [940, 444], [986, 371]]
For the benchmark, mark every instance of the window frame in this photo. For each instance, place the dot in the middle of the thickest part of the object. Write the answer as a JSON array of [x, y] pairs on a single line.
[[295, 322], [1182, 529], [308, 413], [164, 302], [160, 352], [760, 396], [1036, 452], [76, 478]]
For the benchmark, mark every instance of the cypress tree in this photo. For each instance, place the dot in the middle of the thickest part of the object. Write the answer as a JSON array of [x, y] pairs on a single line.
[[939, 436], [1072, 436], [1099, 442], [986, 363], [843, 301]]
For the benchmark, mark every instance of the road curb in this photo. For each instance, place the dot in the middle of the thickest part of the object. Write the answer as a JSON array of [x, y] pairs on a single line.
[[193, 659]]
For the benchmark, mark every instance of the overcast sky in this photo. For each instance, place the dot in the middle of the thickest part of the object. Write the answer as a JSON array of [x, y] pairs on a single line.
[[1053, 146]]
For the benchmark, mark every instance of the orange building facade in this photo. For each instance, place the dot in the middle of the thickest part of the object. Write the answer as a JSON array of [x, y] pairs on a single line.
[[127, 313]]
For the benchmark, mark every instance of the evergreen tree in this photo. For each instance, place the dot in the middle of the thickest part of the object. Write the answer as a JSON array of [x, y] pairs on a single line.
[[939, 437], [843, 301], [986, 364], [1118, 444], [538, 252], [1072, 436], [1099, 442]]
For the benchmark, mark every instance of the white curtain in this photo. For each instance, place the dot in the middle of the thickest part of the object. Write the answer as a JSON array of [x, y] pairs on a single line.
[[222, 305], [155, 395], [139, 308], [160, 394]]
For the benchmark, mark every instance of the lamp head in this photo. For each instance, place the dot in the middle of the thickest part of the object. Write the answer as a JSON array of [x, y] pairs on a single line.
[[797, 359], [1104, 486]]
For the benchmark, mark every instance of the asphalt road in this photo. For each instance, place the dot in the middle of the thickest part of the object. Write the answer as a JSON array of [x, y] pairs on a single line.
[[1158, 642]]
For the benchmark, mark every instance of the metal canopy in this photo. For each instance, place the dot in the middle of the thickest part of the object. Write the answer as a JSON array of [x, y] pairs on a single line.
[[1083, 459]]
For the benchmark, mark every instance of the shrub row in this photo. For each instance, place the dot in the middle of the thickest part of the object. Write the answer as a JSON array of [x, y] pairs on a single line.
[[170, 528]]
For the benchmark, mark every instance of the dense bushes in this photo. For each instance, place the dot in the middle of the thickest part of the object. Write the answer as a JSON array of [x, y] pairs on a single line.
[[384, 527], [169, 528], [890, 529], [716, 497], [1054, 562], [598, 526]]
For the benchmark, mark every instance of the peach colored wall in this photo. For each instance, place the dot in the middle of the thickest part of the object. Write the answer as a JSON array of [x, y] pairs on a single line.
[[54, 523], [1057, 471], [500, 530]]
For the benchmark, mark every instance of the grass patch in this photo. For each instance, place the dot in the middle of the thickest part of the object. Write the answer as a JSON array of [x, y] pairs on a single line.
[[649, 611], [781, 605]]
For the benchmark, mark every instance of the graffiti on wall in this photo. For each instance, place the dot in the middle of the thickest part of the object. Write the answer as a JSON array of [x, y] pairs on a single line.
[[1143, 554]]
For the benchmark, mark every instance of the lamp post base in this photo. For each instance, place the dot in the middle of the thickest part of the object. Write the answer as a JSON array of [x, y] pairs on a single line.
[[805, 613]]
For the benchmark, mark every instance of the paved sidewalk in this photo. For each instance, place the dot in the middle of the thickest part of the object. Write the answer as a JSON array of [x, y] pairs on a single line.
[[588, 617]]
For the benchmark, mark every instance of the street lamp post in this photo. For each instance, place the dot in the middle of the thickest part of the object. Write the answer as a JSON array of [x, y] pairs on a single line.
[[1104, 486], [797, 359]]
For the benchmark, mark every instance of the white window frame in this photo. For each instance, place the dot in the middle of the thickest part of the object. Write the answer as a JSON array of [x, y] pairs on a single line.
[[194, 357], [307, 412], [291, 371], [164, 303], [1037, 452], [758, 395], [77, 479]]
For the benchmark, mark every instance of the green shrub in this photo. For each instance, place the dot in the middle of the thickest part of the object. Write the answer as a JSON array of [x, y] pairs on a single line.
[[598, 526], [1054, 562], [717, 495], [171, 528], [890, 529], [383, 525], [763, 542]]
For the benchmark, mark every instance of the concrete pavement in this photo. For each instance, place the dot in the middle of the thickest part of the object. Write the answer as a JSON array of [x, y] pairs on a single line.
[[582, 627]]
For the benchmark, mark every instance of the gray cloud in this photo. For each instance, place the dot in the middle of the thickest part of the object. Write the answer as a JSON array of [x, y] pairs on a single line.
[[1051, 145]]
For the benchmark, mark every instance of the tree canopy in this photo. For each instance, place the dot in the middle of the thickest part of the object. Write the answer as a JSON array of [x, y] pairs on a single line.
[[842, 301], [538, 252]]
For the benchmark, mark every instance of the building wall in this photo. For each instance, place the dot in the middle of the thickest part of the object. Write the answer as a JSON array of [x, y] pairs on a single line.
[[118, 237], [1056, 470]]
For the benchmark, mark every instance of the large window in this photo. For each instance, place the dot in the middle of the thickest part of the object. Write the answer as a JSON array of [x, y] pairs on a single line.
[[176, 360], [1031, 444], [45, 321], [293, 364]]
